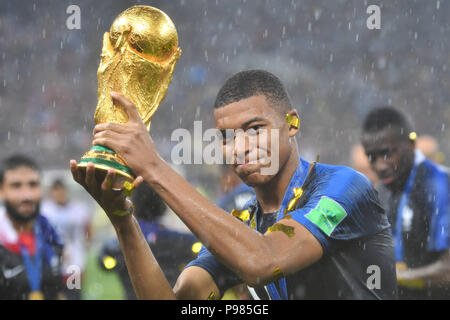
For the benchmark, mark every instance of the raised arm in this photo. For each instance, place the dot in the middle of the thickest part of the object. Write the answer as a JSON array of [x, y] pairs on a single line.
[[145, 273]]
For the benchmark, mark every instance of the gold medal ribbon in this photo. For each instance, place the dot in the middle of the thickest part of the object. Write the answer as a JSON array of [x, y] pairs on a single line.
[[297, 195]]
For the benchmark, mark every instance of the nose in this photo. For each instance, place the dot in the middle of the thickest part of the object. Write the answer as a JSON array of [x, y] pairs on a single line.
[[379, 164], [29, 193], [241, 144]]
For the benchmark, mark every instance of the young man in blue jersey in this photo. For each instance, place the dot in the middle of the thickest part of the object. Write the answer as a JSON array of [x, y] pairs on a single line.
[[416, 194], [312, 231]]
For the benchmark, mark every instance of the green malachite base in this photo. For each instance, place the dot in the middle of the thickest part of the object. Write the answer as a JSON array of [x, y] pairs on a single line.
[[104, 158]]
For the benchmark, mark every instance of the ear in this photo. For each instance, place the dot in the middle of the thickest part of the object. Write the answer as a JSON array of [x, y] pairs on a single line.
[[293, 120]]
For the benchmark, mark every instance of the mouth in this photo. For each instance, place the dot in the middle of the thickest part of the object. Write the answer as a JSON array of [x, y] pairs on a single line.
[[247, 164], [258, 157], [387, 179], [26, 207], [246, 169]]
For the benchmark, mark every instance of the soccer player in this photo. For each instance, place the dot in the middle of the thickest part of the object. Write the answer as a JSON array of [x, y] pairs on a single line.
[[311, 231], [30, 250], [415, 193]]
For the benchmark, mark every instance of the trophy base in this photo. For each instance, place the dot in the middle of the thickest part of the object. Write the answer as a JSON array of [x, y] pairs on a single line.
[[103, 159]]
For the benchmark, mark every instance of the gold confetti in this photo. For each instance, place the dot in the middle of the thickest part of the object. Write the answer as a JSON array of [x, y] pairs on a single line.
[[277, 272], [293, 121], [253, 223], [128, 188], [297, 195], [287, 230], [242, 215]]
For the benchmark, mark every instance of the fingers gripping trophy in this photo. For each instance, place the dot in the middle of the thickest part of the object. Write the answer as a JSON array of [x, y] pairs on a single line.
[[138, 58]]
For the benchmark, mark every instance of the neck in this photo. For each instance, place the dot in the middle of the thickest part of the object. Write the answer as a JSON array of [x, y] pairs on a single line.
[[20, 226], [270, 195]]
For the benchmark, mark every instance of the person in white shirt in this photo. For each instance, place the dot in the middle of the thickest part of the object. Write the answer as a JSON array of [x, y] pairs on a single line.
[[72, 221]]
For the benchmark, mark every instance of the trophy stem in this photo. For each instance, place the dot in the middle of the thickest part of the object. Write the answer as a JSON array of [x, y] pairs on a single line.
[[103, 159]]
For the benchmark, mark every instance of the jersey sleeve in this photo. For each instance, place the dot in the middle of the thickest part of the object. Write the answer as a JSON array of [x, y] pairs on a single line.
[[222, 276], [342, 206], [437, 202]]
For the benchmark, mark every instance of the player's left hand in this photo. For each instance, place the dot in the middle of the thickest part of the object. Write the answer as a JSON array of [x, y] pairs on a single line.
[[113, 201], [131, 140]]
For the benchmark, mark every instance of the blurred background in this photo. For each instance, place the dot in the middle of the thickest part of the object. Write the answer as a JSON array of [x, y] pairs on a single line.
[[334, 68]]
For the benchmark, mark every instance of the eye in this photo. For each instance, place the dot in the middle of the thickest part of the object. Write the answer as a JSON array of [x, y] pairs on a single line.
[[253, 130], [16, 185], [387, 153], [220, 135], [226, 136], [34, 184]]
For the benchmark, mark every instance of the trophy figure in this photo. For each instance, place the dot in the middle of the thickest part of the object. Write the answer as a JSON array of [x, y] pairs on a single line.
[[138, 57]]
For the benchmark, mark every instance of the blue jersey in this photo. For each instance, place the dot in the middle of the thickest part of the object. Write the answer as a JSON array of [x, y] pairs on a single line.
[[340, 208], [420, 219]]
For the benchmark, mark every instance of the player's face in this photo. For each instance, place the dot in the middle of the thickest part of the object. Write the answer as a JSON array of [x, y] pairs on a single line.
[[21, 189], [59, 195], [260, 142], [389, 156]]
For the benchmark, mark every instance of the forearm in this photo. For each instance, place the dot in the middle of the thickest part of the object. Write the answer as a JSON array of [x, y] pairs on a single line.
[[437, 273], [434, 274], [146, 276], [242, 249]]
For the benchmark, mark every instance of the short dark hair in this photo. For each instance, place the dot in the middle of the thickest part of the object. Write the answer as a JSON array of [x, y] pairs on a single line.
[[148, 204], [246, 84], [58, 183], [15, 161], [385, 117]]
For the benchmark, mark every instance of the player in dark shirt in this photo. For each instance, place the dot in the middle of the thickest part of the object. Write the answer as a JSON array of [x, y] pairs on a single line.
[[416, 194], [30, 249], [334, 223]]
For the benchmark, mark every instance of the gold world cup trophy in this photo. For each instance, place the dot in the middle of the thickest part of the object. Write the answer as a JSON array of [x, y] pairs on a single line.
[[138, 57]]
